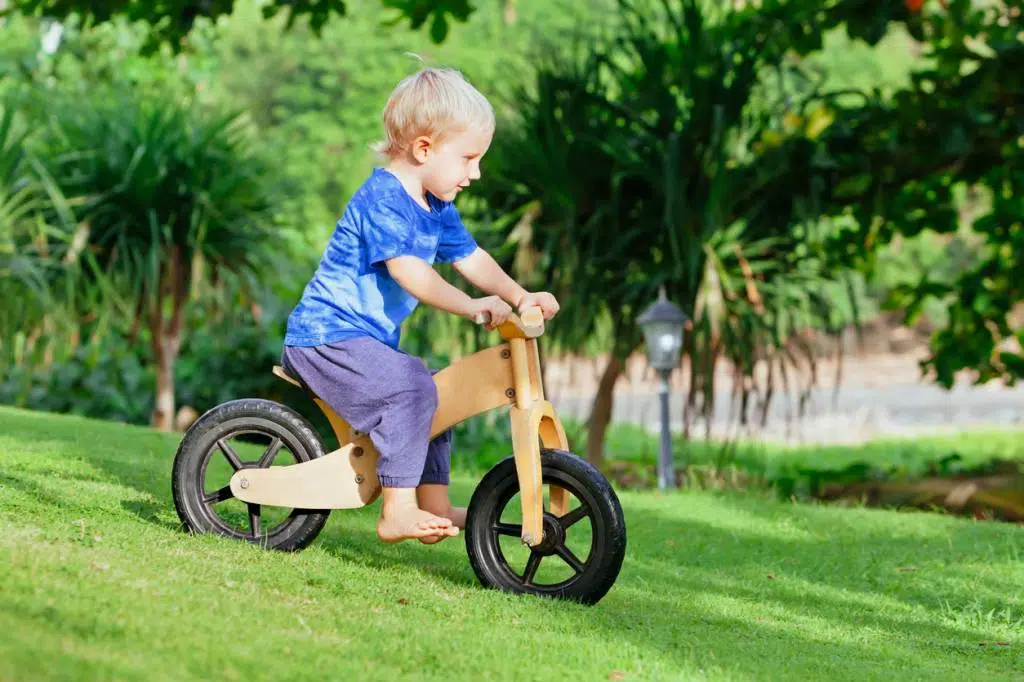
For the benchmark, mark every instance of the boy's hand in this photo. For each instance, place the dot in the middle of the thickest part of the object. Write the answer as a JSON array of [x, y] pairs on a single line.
[[497, 310], [543, 300]]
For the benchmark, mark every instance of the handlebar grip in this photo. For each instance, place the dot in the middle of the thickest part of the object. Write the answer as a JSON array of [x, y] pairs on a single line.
[[482, 318]]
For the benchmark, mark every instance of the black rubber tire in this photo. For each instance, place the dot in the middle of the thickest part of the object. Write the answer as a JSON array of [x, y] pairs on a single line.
[[200, 443], [584, 482]]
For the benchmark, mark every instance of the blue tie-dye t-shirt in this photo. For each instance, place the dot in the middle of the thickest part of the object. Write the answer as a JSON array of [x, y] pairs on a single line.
[[352, 293]]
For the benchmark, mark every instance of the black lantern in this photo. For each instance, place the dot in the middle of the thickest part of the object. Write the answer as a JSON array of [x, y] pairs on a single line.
[[662, 324]]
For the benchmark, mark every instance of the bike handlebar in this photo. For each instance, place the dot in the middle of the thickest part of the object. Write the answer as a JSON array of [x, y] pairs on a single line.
[[530, 325]]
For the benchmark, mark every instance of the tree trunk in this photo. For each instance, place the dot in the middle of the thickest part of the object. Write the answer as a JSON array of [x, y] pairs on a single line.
[[163, 407], [601, 412], [509, 13], [166, 336]]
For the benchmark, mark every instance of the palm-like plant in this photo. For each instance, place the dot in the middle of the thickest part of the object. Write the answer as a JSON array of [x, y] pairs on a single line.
[[166, 194], [633, 165], [31, 269], [43, 268], [17, 268]]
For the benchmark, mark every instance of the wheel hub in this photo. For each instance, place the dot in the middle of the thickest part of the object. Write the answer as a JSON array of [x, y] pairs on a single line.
[[554, 536]]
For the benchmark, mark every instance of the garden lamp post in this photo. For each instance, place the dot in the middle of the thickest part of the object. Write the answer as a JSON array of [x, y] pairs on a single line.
[[662, 324]]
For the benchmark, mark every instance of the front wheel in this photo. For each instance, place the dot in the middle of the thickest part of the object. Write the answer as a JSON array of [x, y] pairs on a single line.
[[582, 551]]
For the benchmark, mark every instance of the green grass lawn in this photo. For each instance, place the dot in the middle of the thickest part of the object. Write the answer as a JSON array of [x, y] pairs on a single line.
[[97, 582], [898, 455], [793, 469]]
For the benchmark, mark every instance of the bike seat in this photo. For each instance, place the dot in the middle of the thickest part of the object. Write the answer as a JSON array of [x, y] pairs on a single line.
[[279, 371]]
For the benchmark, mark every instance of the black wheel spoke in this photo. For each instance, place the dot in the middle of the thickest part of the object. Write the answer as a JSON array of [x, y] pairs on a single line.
[[511, 529], [531, 567], [254, 519], [569, 558], [218, 495], [574, 516], [268, 456], [230, 455]]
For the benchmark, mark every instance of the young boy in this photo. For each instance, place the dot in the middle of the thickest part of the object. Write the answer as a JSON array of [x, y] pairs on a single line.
[[342, 338]]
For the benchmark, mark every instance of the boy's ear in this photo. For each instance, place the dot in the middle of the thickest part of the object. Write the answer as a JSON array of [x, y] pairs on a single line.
[[421, 148]]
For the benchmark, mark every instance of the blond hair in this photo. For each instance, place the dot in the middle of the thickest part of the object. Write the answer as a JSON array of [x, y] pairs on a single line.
[[432, 102]]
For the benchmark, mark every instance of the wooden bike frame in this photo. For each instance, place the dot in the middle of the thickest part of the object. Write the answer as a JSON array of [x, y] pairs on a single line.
[[507, 374]]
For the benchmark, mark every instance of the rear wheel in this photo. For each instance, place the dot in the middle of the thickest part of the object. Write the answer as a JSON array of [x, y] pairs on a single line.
[[583, 549], [244, 434]]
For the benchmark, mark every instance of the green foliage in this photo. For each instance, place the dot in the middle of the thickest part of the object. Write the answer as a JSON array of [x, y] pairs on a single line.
[[103, 382], [960, 123], [434, 12], [22, 270], [696, 146], [172, 20], [849, 64], [149, 174], [40, 263], [318, 102], [34, 69], [640, 163], [227, 359], [166, 194], [901, 265], [17, 196]]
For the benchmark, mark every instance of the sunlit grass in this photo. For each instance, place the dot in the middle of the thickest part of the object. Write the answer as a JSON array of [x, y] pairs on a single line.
[[98, 582]]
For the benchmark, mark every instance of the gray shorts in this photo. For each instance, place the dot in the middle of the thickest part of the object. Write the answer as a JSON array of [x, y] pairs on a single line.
[[385, 393]]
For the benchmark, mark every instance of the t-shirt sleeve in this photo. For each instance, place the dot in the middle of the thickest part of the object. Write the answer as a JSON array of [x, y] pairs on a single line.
[[389, 233], [456, 242]]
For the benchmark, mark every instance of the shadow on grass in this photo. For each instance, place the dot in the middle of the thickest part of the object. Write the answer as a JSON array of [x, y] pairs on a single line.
[[446, 560], [37, 492]]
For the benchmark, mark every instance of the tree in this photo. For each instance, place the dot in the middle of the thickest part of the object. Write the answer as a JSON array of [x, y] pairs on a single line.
[[21, 272], [671, 148], [959, 123], [639, 163], [39, 260], [167, 194], [172, 20]]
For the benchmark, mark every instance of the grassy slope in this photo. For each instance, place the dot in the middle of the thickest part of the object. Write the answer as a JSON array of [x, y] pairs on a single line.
[[97, 582]]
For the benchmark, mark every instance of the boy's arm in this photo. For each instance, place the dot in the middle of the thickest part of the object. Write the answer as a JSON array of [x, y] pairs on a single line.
[[417, 277], [483, 272]]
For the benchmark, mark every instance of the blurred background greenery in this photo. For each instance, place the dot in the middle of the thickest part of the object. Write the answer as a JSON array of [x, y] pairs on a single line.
[[788, 170]]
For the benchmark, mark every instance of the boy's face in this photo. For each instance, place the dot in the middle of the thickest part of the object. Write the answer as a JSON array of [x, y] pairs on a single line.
[[449, 167]]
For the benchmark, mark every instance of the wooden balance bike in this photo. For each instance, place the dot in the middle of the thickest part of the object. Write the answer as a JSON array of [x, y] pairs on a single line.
[[565, 508]]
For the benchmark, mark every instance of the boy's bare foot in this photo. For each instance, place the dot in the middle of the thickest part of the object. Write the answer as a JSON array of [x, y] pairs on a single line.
[[433, 497], [458, 517], [414, 523], [402, 519]]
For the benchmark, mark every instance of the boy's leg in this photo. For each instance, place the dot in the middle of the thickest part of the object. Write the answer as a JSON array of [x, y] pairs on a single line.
[[390, 396], [432, 492], [433, 497]]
